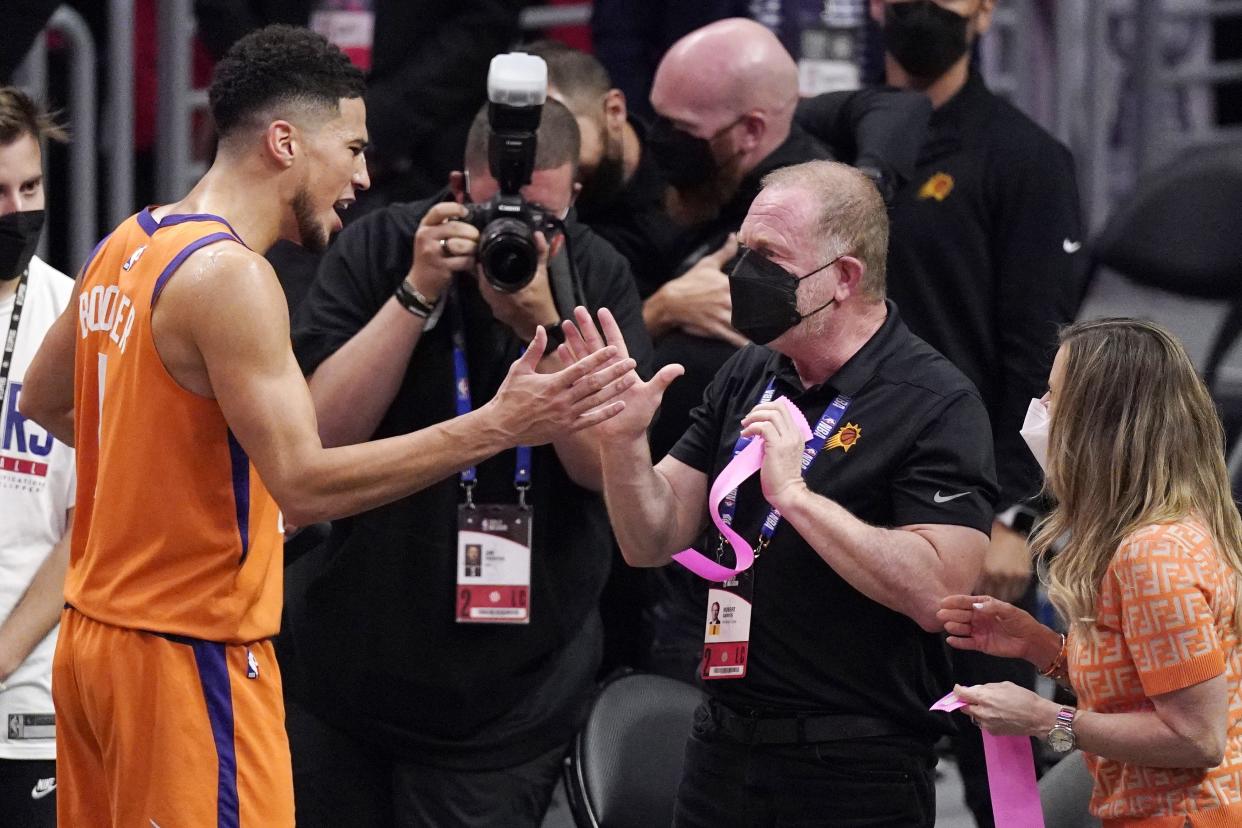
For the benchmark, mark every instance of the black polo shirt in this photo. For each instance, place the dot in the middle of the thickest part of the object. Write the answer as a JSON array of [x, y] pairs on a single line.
[[376, 649], [986, 259], [923, 456]]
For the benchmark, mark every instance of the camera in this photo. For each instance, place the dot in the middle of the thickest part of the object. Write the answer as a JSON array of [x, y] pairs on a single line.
[[517, 86]]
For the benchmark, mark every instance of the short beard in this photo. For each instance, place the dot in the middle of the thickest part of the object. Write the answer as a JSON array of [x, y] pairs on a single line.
[[311, 234], [606, 181]]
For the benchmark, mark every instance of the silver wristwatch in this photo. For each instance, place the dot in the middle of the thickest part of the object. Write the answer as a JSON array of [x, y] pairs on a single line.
[[1061, 738]]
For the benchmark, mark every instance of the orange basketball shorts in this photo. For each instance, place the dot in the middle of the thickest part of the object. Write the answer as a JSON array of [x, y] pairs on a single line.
[[161, 730]]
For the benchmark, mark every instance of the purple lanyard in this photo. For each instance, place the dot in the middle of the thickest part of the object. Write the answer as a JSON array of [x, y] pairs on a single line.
[[828, 423], [461, 385]]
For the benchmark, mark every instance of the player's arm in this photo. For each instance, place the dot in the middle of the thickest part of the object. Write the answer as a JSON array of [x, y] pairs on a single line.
[[236, 317], [38, 610], [47, 390]]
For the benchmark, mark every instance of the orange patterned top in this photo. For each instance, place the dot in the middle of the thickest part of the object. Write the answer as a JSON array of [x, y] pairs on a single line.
[[1165, 622]]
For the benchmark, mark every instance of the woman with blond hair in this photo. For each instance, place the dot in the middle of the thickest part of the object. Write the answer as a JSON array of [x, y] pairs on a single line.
[[1147, 582]]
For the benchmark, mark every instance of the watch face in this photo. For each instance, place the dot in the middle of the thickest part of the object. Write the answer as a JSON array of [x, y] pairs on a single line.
[[1061, 740]]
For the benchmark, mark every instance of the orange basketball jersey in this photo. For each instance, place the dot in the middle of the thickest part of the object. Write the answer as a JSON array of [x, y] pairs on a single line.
[[174, 531]]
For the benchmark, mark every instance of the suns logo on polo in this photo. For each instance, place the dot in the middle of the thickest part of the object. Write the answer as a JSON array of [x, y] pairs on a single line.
[[845, 439], [938, 187]]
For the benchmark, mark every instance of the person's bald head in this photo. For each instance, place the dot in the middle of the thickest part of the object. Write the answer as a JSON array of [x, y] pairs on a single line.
[[735, 72]]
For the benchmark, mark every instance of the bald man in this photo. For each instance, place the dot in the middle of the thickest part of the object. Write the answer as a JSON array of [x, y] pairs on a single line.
[[724, 97], [827, 657]]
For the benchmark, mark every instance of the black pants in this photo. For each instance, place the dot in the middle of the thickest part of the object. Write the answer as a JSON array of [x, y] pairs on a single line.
[[338, 781], [18, 778], [880, 781]]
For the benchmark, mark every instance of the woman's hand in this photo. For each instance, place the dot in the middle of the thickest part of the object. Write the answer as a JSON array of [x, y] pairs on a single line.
[[988, 625], [1006, 709]]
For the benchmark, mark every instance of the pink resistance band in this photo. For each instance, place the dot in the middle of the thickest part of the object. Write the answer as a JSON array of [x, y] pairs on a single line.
[[745, 463], [1011, 775]]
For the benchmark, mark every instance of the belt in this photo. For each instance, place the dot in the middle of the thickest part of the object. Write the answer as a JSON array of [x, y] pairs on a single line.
[[836, 727]]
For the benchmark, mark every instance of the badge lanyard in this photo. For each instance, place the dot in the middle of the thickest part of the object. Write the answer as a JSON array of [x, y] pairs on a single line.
[[461, 385], [494, 540], [726, 639], [10, 341], [828, 422]]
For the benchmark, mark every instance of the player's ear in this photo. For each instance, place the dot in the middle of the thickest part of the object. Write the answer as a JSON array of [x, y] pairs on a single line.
[[283, 142]]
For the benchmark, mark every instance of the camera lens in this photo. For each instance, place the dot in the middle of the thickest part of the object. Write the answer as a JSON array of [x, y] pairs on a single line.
[[507, 253]]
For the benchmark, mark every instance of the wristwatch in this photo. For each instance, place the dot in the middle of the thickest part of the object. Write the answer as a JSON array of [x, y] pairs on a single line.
[[1019, 518], [1061, 738]]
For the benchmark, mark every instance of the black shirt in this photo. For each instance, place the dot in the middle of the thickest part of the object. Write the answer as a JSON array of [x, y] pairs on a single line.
[[377, 650], [817, 644], [984, 259]]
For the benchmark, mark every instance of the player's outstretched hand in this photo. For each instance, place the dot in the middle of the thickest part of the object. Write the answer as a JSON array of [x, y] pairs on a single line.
[[534, 408]]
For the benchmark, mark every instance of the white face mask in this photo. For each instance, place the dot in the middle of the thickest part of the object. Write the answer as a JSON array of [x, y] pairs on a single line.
[[1035, 432]]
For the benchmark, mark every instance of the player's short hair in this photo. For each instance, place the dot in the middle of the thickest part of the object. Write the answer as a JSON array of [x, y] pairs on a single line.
[[557, 140], [278, 69], [20, 115], [579, 78]]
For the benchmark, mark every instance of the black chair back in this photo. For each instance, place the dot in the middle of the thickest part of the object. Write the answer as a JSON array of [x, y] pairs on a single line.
[[626, 763]]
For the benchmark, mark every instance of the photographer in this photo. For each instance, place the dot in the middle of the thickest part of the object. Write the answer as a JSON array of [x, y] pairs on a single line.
[[401, 711]]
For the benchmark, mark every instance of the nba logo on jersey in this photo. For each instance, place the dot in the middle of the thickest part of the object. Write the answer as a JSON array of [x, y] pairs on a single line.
[[133, 259], [252, 665]]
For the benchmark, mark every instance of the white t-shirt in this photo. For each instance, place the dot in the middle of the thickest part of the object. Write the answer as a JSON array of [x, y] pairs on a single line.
[[37, 487]]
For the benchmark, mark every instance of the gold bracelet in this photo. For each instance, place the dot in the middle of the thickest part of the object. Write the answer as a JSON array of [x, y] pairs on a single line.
[[1058, 663]]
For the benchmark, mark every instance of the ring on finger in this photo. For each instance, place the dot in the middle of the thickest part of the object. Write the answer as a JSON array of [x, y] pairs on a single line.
[[444, 248]]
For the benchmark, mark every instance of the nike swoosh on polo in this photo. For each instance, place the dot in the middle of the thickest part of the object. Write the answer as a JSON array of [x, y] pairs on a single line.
[[43, 787], [1071, 246], [939, 498]]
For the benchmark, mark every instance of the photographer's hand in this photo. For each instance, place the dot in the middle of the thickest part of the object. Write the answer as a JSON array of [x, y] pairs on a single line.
[[442, 247], [529, 307]]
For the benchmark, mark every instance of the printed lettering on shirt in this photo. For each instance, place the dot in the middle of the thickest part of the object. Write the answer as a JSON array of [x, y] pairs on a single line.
[[104, 309], [25, 447]]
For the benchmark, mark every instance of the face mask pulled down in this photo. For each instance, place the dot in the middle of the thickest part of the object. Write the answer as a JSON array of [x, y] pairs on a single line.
[[19, 236], [765, 297], [924, 37], [1035, 432]]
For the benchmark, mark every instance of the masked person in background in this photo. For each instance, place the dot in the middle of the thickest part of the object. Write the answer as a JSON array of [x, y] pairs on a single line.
[[1147, 582], [986, 266], [36, 477]]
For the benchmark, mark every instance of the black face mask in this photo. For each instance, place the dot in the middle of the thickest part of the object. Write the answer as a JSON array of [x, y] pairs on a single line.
[[765, 297], [19, 236], [684, 160], [925, 38]]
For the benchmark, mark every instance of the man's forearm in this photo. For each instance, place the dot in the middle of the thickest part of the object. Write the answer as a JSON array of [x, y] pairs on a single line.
[[39, 609], [894, 567], [338, 482], [656, 315], [641, 504], [355, 387]]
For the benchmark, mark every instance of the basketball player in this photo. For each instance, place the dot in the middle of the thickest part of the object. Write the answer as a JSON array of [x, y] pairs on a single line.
[[172, 373]]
